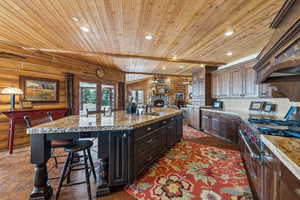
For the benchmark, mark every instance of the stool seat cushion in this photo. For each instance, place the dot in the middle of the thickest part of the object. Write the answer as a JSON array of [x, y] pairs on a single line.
[[78, 145], [60, 143]]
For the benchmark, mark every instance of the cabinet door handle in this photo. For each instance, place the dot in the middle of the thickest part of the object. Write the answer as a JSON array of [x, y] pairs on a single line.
[[150, 141], [268, 157], [252, 154], [149, 158], [149, 129], [124, 135]]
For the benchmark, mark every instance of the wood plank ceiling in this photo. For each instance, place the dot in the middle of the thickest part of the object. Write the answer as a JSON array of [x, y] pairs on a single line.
[[189, 29]]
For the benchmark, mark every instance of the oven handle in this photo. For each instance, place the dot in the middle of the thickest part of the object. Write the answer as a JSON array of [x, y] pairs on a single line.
[[252, 154]]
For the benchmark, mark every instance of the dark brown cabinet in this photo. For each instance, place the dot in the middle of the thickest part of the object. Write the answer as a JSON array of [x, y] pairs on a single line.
[[279, 183], [224, 126], [152, 141], [119, 152], [269, 178], [271, 171]]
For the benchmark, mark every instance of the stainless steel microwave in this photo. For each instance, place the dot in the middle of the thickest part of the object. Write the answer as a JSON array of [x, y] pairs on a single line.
[[217, 104]]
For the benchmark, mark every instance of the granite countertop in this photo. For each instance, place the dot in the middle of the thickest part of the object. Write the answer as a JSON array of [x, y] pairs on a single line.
[[197, 106], [285, 148], [118, 120]]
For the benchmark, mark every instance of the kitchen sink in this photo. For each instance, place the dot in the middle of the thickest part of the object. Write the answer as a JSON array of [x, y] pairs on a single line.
[[155, 113]]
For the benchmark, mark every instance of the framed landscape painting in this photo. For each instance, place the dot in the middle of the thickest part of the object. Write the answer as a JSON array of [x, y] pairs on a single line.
[[39, 89]]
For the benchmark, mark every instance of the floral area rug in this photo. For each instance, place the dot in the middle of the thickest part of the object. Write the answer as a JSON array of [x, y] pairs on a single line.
[[191, 171]]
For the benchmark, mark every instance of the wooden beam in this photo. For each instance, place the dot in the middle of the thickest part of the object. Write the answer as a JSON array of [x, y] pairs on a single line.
[[166, 59], [158, 74]]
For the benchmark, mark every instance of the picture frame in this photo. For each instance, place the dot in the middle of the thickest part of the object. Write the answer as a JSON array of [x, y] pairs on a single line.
[[269, 107], [257, 105], [26, 104], [39, 89]]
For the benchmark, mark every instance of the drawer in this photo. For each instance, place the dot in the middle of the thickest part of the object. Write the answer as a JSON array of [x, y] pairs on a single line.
[[204, 112], [146, 152], [145, 130], [147, 142], [168, 120]]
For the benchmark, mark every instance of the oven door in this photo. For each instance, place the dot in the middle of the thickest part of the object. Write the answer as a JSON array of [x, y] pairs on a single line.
[[252, 161]]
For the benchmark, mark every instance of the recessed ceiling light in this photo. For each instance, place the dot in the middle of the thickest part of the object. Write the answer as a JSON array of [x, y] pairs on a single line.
[[84, 28], [148, 37], [229, 53], [164, 68], [174, 57], [75, 19], [229, 32], [181, 66]]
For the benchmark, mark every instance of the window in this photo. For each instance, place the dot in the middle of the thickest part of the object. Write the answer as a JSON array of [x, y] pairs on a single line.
[[87, 97], [108, 97], [138, 96]]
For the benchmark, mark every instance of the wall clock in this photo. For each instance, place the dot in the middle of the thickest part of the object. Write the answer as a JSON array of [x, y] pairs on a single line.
[[100, 73]]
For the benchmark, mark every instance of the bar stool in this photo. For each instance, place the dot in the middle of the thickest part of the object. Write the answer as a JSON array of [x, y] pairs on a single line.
[[55, 144], [77, 146]]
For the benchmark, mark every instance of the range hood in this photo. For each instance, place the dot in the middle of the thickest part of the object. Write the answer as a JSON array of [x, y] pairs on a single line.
[[288, 69], [279, 62]]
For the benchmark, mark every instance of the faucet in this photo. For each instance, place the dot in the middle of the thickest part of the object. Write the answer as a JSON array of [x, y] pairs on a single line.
[[148, 107]]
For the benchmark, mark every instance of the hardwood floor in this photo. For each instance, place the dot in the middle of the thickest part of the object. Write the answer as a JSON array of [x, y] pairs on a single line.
[[16, 175]]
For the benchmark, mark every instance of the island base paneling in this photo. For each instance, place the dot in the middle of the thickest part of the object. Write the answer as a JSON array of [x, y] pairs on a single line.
[[123, 154]]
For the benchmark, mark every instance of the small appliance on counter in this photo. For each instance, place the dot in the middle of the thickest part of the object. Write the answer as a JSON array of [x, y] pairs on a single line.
[[217, 104], [131, 106]]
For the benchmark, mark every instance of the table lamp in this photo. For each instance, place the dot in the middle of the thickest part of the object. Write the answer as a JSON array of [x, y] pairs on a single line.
[[12, 91]]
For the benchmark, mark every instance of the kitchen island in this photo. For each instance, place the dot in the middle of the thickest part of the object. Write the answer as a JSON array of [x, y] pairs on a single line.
[[127, 144]]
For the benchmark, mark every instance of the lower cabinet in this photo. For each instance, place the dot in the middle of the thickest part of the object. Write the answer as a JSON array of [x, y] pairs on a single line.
[[221, 125], [152, 141], [119, 153], [269, 178], [279, 183]]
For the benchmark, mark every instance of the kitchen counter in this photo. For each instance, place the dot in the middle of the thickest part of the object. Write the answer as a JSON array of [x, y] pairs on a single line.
[[118, 120], [285, 148], [122, 139]]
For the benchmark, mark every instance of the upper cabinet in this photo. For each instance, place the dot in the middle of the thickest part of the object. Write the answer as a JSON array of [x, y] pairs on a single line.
[[240, 81], [237, 82], [250, 86], [202, 90]]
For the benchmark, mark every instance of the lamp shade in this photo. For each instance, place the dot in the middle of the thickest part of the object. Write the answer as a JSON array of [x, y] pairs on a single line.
[[11, 90]]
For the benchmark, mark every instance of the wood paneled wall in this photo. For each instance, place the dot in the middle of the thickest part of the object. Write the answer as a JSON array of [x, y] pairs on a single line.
[[40, 65], [175, 85]]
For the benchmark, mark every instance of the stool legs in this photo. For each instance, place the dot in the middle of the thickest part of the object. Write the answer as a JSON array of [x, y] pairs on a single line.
[[92, 164], [70, 168], [87, 175], [62, 177], [66, 172]]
